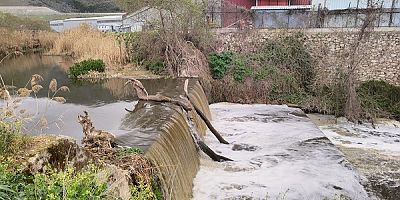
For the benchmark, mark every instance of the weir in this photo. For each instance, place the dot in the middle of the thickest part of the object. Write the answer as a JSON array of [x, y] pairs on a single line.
[[163, 131]]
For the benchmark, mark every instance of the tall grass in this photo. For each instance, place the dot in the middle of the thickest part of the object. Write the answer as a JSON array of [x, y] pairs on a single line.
[[25, 40], [85, 43], [23, 34]]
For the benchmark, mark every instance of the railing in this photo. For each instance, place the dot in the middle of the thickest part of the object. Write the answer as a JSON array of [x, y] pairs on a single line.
[[321, 18]]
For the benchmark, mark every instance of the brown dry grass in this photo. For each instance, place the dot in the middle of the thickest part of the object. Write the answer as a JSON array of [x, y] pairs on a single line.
[[250, 91], [84, 43], [25, 40]]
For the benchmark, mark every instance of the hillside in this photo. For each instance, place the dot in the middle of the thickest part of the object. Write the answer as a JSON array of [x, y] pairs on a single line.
[[79, 6]]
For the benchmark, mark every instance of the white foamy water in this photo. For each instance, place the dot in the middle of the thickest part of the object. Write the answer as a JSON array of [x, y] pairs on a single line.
[[384, 137], [278, 153]]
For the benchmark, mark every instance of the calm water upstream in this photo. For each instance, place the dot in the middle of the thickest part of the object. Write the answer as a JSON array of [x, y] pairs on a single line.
[[105, 100]]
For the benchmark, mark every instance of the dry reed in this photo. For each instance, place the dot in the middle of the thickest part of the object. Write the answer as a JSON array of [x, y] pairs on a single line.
[[84, 43], [25, 40]]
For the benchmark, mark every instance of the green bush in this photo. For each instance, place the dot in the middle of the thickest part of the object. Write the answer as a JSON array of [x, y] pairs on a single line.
[[380, 99], [146, 192], [283, 64], [11, 139], [241, 69], [289, 53], [85, 66], [157, 67], [68, 184], [219, 63], [128, 151]]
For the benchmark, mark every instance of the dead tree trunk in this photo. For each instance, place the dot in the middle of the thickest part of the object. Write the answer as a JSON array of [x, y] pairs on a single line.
[[353, 110]]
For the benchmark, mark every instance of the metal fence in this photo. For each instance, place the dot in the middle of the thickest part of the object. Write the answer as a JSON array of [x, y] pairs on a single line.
[[350, 18]]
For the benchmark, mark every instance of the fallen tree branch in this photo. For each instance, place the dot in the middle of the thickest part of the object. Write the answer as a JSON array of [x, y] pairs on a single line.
[[203, 116], [187, 106]]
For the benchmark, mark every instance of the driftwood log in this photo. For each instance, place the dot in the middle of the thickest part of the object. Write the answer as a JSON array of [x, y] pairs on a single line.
[[187, 105], [95, 140]]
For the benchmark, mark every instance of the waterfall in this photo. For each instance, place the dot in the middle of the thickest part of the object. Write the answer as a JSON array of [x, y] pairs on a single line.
[[163, 131]]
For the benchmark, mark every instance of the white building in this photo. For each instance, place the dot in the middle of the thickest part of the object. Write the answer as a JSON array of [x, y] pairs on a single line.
[[141, 19], [105, 23], [110, 23], [57, 25]]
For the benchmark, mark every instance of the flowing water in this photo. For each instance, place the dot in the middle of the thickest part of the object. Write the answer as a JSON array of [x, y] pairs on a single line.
[[373, 150], [160, 129], [278, 153]]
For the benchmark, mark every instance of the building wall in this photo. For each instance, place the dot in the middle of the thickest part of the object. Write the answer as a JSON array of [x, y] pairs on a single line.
[[312, 19], [282, 2], [138, 21], [380, 59], [329, 4], [69, 24], [345, 4], [243, 3], [57, 25], [273, 3]]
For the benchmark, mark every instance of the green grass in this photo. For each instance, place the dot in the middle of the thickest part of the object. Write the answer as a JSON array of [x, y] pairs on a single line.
[[14, 3], [128, 151], [13, 22]]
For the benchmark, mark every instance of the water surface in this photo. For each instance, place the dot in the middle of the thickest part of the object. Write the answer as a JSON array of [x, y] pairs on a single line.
[[105, 100]]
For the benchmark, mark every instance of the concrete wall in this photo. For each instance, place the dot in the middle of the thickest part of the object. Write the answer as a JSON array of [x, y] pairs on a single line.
[[142, 19], [379, 58]]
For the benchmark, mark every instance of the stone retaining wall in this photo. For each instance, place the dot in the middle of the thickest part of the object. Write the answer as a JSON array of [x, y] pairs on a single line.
[[379, 57]]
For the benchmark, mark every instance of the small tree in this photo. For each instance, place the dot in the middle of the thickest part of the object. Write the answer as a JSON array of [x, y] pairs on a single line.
[[353, 110], [183, 31]]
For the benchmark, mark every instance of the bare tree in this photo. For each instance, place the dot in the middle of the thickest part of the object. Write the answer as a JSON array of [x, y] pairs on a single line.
[[353, 110], [183, 31]]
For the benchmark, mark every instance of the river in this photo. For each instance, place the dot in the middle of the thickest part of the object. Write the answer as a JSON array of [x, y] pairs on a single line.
[[105, 100]]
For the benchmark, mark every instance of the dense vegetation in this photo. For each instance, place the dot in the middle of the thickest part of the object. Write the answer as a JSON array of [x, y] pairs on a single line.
[[281, 71], [86, 66], [380, 98], [67, 184]]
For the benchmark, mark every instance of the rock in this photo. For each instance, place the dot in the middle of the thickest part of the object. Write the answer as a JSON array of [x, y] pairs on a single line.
[[245, 147], [118, 182], [55, 151]]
